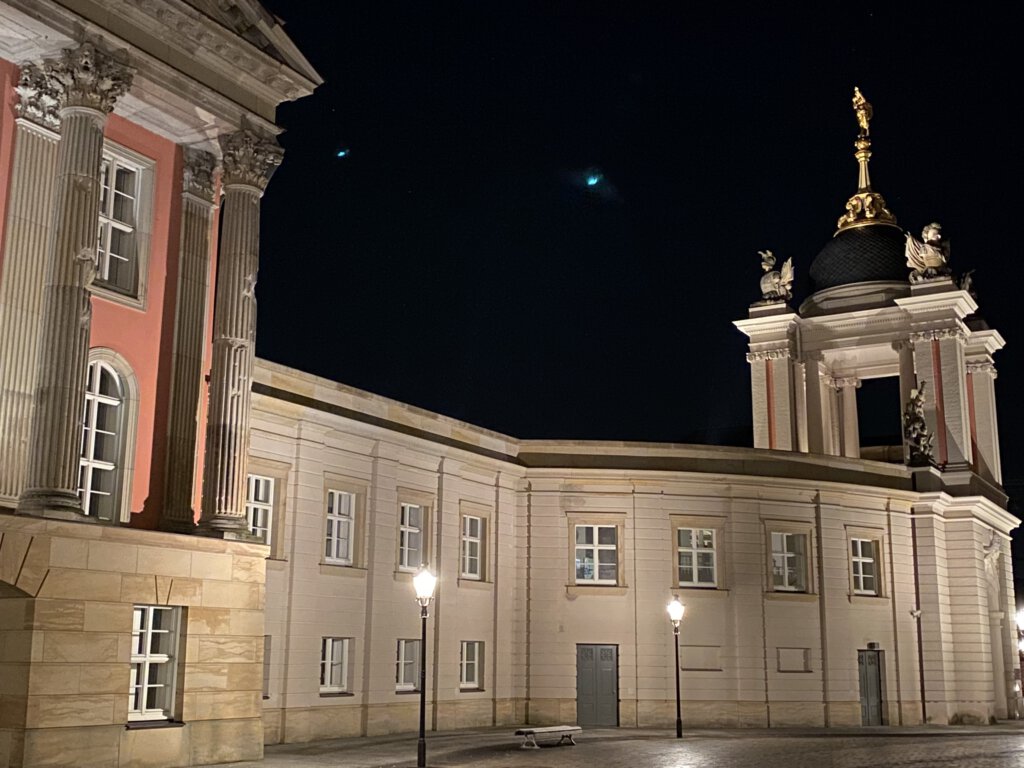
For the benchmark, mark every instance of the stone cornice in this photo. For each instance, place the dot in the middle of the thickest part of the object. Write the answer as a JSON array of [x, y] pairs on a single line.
[[249, 159], [769, 354], [38, 98], [982, 366], [88, 78]]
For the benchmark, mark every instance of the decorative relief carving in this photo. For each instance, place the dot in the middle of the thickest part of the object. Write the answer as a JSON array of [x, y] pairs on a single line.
[[198, 173], [937, 334], [843, 382], [769, 354], [85, 77], [916, 435], [38, 100], [249, 159]]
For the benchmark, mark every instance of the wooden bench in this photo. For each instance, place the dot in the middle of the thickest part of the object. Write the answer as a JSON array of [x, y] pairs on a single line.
[[562, 731]]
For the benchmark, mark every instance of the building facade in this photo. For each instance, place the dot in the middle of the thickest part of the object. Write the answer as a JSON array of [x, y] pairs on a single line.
[[201, 552]]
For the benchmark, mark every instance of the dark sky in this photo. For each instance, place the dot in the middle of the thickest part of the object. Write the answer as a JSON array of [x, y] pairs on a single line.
[[457, 260]]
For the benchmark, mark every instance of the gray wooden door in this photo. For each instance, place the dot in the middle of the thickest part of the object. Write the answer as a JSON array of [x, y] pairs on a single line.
[[869, 667], [597, 685]]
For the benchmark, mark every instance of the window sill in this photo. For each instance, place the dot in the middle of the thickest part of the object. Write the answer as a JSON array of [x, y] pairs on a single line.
[[878, 600], [340, 569], [471, 690], [410, 692], [711, 592], [143, 725], [101, 291], [608, 590], [475, 583], [793, 597], [401, 575], [335, 694]]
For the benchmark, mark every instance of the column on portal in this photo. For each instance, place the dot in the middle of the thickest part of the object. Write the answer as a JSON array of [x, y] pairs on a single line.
[[847, 387], [981, 394], [908, 381], [197, 214], [248, 162], [88, 83], [29, 209], [818, 416], [940, 361]]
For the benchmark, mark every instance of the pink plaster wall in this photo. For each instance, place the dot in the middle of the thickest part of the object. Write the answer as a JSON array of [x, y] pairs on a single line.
[[144, 337], [8, 79]]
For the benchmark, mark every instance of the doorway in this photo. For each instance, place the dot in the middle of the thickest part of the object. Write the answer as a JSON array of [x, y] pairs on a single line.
[[869, 667], [597, 685]]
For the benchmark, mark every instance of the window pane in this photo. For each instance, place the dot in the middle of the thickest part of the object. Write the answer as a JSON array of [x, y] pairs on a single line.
[[585, 564], [606, 535], [584, 534], [686, 538], [707, 539]]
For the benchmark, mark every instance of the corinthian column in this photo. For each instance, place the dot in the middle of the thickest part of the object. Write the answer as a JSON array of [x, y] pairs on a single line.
[[21, 289], [87, 83], [249, 161], [197, 207]]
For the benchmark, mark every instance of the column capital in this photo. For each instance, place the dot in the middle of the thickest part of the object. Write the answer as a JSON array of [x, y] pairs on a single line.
[[249, 159], [842, 382], [197, 171], [938, 334], [982, 366], [38, 98], [769, 354], [88, 78], [901, 344]]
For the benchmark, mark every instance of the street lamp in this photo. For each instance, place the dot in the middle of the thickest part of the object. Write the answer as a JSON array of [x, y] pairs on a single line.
[[675, 615], [424, 582]]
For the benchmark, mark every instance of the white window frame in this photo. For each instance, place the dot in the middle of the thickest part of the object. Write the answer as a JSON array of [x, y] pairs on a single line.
[[697, 551], [334, 655], [473, 547], [88, 463], [144, 659], [407, 663], [471, 664], [857, 561], [782, 552], [338, 548], [259, 511], [407, 555], [596, 547]]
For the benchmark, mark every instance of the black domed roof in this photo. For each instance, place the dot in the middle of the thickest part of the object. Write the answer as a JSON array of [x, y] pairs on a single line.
[[859, 255]]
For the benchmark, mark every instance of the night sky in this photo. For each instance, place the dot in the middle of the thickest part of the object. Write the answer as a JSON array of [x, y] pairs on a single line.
[[457, 259]]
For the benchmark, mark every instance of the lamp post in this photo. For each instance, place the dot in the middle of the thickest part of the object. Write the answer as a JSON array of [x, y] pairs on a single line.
[[424, 582], [675, 615]]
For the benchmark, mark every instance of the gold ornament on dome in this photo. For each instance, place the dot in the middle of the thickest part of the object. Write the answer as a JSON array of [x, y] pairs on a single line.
[[866, 206]]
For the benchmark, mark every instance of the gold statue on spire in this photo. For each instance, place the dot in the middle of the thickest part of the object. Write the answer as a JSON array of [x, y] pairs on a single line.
[[862, 108], [866, 206]]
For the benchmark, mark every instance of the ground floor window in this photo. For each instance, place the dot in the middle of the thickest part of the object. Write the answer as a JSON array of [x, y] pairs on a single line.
[[154, 662], [471, 664], [334, 664], [407, 666]]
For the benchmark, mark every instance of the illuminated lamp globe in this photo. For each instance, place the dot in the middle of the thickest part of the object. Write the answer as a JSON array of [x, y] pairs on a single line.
[[676, 610], [423, 582], [1020, 620]]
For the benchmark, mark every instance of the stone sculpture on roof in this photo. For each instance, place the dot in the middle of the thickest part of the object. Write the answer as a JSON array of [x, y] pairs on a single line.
[[916, 434], [928, 259], [776, 285]]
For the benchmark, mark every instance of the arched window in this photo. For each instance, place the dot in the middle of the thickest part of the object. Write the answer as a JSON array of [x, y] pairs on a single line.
[[102, 481]]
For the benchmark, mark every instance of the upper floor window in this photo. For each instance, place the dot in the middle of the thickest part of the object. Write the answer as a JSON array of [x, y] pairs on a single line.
[[789, 561], [101, 454], [117, 259], [597, 554], [411, 527], [340, 515], [153, 662], [472, 546], [697, 557], [259, 507], [864, 566]]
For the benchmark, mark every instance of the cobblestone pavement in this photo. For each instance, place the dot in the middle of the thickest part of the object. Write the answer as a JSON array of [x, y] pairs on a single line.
[[1000, 746]]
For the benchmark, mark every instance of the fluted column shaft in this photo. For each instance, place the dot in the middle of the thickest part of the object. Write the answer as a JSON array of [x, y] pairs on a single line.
[[187, 362], [248, 163], [89, 83], [21, 295]]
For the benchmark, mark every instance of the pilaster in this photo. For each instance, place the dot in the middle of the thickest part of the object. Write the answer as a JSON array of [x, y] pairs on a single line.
[[818, 426], [249, 161], [25, 249], [197, 211], [940, 359], [87, 83], [849, 426]]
